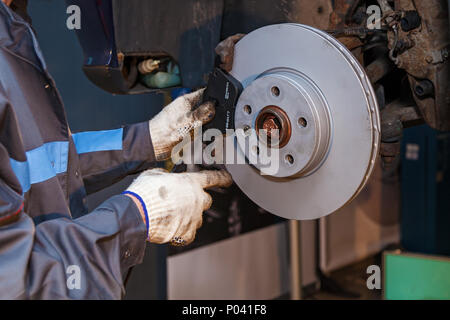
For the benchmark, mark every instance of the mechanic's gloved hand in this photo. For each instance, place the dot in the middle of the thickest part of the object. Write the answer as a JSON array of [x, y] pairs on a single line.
[[174, 202], [225, 50], [176, 121]]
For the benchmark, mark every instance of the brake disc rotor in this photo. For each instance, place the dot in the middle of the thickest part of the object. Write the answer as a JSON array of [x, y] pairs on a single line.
[[307, 84]]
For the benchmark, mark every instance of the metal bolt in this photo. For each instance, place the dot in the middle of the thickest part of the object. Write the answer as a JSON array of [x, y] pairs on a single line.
[[274, 118], [271, 123], [424, 88]]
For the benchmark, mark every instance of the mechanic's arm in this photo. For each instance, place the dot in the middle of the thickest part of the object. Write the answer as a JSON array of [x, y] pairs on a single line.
[[37, 262], [108, 156], [34, 260], [86, 258]]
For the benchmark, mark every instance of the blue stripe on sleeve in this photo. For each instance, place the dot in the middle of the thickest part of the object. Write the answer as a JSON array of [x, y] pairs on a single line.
[[22, 172], [92, 141], [43, 163]]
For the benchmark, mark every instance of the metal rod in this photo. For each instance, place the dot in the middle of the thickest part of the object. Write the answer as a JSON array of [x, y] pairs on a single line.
[[295, 254], [378, 69]]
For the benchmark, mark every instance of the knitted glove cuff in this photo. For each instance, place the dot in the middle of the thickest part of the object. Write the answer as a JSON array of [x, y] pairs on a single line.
[[144, 207]]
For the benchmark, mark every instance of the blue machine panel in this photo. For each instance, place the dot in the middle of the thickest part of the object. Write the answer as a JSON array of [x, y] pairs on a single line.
[[425, 225]]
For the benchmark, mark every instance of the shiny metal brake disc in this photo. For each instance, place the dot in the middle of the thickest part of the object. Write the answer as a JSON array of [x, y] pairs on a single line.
[[326, 112]]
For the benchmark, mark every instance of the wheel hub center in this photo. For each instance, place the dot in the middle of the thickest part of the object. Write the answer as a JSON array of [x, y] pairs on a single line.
[[273, 122], [290, 117]]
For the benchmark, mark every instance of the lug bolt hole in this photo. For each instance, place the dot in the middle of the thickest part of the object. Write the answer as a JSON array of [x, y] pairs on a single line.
[[247, 109], [247, 130], [275, 91], [289, 159], [302, 122]]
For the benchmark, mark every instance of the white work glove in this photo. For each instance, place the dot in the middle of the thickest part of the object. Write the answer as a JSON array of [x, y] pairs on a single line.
[[225, 50], [176, 121], [174, 202]]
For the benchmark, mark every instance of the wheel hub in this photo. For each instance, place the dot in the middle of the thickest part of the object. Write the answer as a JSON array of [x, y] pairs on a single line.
[[287, 101]]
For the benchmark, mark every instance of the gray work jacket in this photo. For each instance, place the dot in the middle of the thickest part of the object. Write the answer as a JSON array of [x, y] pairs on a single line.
[[50, 246]]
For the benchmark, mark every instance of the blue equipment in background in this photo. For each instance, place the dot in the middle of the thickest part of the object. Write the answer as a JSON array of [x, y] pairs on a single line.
[[425, 221]]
